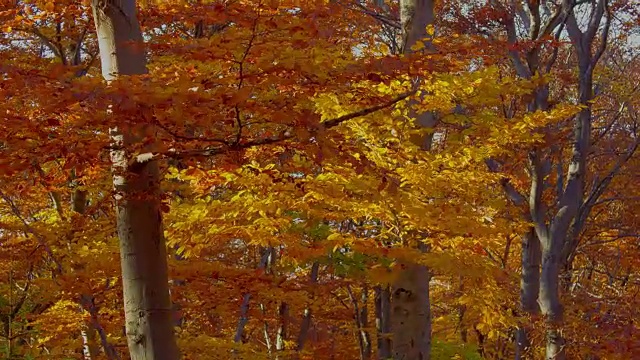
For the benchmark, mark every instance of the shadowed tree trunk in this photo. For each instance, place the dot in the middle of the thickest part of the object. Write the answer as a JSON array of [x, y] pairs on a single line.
[[383, 322], [361, 316], [307, 316]]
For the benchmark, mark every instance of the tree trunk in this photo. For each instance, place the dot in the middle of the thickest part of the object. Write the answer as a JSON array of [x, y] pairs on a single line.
[[415, 16], [361, 316], [529, 288], [364, 324], [553, 238], [411, 308], [383, 321], [143, 252], [283, 319], [307, 316], [88, 333], [549, 298], [410, 314]]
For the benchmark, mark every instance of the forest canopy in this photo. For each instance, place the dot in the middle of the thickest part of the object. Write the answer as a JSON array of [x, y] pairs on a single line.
[[336, 179]]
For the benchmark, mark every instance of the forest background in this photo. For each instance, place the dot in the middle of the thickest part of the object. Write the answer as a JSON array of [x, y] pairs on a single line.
[[248, 179]]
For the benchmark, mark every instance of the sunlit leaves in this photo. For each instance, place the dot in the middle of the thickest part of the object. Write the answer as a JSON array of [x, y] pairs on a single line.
[[350, 199]]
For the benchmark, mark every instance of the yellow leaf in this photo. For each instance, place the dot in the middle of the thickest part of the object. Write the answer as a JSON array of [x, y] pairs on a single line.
[[418, 46], [431, 30]]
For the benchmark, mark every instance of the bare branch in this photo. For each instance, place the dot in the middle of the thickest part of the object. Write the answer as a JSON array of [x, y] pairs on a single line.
[[536, 207], [384, 19], [244, 310], [604, 37], [594, 21], [512, 193]]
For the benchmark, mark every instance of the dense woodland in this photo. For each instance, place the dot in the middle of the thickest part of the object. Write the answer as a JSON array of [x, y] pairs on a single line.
[[320, 179]]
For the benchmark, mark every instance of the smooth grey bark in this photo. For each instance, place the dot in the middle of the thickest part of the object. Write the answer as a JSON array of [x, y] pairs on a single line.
[[538, 260], [530, 260], [265, 330], [143, 253], [415, 16], [554, 234], [529, 288], [410, 314], [90, 348], [363, 315], [530, 279], [410, 303]]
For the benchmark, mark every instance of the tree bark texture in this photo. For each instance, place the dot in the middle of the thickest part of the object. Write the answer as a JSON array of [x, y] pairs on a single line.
[[410, 314], [411, 308], [415, 16], [143, 253], [529, 288]]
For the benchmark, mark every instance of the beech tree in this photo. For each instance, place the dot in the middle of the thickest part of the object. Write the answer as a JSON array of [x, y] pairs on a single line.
[[143, 252], [299, 180]]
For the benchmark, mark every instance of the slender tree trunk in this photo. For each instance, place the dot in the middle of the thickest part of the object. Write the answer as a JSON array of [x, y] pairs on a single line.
[[306, 317], [143, 253], [530, 279], [283, 319], [267, 257], [553, 238], [461, 311], [361, 316], [383, 321], [364, 324], [90, 347], [244, 318], [265, 329]]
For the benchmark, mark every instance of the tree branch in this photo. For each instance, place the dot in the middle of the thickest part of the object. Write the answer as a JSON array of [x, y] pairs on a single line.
[[31, 230], [339, 120], [284, 135]]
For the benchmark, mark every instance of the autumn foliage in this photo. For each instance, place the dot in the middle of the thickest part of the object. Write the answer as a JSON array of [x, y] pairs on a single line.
[[294, 184]]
